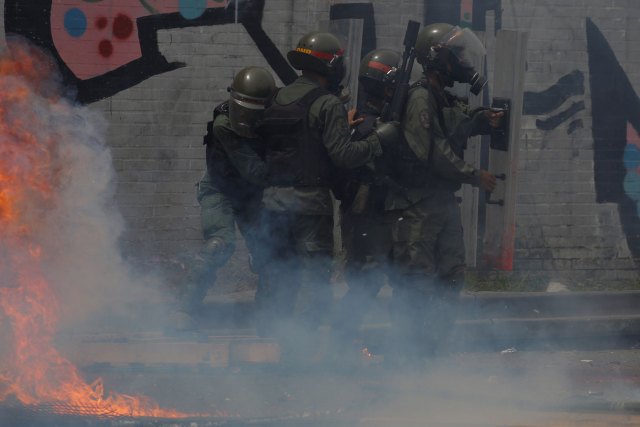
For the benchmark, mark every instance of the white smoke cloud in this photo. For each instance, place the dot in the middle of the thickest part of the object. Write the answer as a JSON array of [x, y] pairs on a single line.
[[79, 225]]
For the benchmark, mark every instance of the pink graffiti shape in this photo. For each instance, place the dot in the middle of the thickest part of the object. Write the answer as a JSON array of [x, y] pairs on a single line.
[[110, 39], [632, 136]]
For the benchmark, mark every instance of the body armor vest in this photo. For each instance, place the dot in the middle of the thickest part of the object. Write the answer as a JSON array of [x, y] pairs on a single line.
[[295, 154], [215, 154], [405, 167]]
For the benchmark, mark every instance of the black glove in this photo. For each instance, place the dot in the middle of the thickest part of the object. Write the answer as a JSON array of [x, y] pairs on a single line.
[[480, 122]]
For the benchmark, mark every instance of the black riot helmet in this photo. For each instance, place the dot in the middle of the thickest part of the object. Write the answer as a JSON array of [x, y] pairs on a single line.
[[453, 52], [321, 53], [250, 90], [378, 70]]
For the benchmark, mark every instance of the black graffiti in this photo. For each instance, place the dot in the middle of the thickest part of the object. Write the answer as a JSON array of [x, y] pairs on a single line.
[[575, 125], [614, 103], [449, 11], [536, 103], [557, 119]]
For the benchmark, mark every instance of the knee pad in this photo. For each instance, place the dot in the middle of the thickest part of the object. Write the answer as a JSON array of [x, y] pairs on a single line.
[[216, 251]]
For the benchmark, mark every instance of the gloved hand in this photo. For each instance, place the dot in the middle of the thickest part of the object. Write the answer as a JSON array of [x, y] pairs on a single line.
[[483, 119], [486, 180]]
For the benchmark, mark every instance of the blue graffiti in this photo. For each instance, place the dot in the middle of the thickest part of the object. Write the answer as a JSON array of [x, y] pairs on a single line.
[[75, 22], [192, 9]]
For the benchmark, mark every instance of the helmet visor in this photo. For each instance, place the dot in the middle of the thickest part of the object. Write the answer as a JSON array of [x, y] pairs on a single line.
[[244, 114], [465, 45]]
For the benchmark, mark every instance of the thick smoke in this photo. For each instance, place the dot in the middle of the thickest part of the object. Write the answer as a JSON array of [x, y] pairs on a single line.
[[76, 225]]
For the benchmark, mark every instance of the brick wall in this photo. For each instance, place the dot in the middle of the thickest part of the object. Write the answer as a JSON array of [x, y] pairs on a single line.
[[157, 126], [560, 226]]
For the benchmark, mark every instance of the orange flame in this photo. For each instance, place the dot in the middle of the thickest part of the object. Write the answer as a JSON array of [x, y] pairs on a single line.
[[31, 175]]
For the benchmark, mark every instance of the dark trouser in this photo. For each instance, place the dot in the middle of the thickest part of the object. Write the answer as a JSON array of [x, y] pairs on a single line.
[[297, 273], [367, 243], [428, 274], [220, 213]]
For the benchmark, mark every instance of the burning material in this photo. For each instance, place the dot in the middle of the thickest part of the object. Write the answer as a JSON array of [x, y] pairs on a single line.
[[36, 164]]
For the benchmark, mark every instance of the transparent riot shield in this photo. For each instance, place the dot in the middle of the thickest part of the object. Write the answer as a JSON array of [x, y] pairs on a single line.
[[349, 32]]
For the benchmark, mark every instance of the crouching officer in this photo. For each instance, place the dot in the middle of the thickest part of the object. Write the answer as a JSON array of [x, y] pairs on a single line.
[[307, 136], [428, 247], [230, 191], [366, 232]]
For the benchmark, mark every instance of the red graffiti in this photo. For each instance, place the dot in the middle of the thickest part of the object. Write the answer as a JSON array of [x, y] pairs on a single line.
[[101, 23], [105, 47], [122, 26]]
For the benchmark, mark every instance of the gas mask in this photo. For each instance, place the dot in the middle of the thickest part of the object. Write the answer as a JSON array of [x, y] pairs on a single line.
[[466, 52], [462, 74]]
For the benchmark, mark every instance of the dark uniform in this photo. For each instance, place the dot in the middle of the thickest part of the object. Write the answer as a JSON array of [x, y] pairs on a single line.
[[307, 136], [428, 247], [299, 208], [366, 237], [230, 191]]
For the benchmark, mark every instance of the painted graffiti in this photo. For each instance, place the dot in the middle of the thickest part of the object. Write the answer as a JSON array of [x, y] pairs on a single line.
[[544, 102], [106, 46], [616, 123], [94, 37]]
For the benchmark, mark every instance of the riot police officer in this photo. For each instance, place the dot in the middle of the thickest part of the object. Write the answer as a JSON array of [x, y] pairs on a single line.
[[428, 247], [307, 135], [230, 190], [366, 232]]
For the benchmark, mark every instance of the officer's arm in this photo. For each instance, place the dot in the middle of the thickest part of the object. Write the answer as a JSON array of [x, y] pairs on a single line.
[[421, 129], [452, 167], [337, 138], [248, 163]]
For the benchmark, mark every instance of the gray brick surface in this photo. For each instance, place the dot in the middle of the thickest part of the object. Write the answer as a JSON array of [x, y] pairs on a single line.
[[156, 129]]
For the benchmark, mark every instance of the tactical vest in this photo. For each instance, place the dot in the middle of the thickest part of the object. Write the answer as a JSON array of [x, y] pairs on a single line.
[[214, 152], [295, 154]]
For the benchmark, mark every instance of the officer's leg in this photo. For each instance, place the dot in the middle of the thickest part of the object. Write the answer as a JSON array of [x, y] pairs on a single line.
[[249, 218], [367, 244], [451, 267], [219, 234], [280, 273], [314, 244], [414, 255]]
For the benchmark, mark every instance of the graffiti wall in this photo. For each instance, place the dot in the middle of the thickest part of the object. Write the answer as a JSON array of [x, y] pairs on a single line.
[[157, 68]]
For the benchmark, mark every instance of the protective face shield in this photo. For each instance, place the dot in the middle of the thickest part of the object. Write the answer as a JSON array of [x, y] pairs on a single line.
[[338, 76], [467, 53], [245, 113]]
